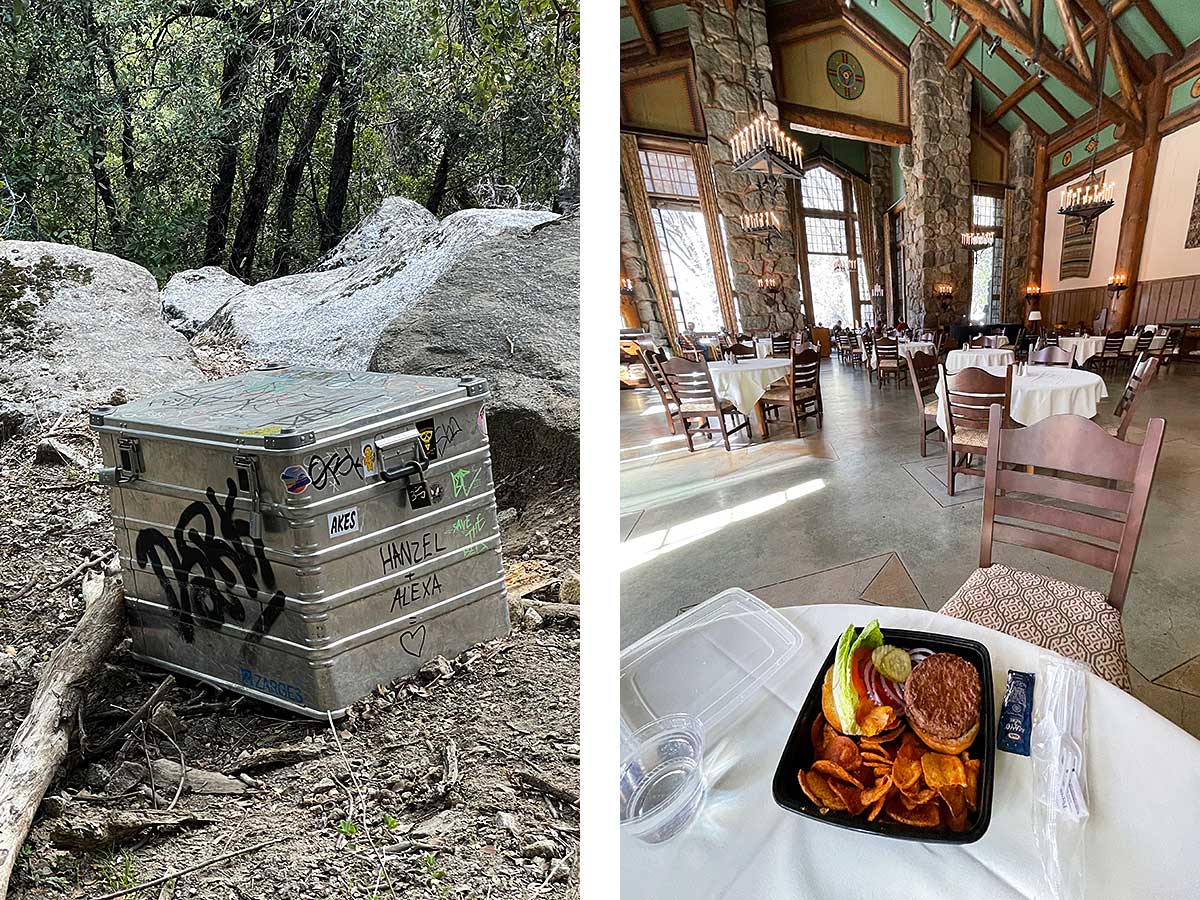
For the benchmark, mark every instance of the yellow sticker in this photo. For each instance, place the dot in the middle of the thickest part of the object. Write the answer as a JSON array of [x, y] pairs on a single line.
[[264, 429], [368, 458]]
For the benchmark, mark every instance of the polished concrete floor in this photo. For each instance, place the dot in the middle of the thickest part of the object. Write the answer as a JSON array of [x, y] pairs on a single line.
[[851, 513]]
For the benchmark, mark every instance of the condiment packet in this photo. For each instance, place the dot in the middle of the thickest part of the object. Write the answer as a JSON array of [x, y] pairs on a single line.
[[1016, 713]]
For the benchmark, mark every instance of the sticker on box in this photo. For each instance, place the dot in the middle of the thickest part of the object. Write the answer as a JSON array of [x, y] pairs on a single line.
[[343, 522], [296, 479], [370, 460]]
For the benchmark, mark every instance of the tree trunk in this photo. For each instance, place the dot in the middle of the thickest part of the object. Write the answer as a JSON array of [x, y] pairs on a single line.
[[294, 172], [441, 175], [342, 161], [234, 76], [266, 158], [41, 742], [96, 145]]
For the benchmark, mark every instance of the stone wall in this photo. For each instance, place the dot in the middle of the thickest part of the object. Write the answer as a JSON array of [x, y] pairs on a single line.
[[879, 170], [937, 186], [633, 264], [1022, 156], [722, 49]]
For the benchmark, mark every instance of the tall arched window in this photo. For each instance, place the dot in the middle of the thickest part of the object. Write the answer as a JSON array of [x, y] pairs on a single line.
[[829, 216]]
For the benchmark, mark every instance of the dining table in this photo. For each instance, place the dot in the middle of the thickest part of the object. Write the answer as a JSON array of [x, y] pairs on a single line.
[[1087, 346], [906, 348], [744, 382], [966, 357], [1143, 797], [1042, 391]]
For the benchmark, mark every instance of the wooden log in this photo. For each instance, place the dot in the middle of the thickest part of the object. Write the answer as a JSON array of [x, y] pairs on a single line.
[[1037, 220], [955, 56], [823, 121], [40, 744], [550, 610], [1073, 38]]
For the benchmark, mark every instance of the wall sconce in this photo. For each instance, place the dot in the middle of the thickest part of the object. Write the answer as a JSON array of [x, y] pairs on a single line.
[[1033, 292], [943, 290], [626, 286], [1118, 283]]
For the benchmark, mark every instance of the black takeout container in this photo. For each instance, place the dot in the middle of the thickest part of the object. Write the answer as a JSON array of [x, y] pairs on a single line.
[[798, 752]]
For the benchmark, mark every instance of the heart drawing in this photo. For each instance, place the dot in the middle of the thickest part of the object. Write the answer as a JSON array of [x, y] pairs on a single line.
[[414, 637]]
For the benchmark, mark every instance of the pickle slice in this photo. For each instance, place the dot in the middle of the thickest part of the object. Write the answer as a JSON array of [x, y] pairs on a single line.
[[891, 662]]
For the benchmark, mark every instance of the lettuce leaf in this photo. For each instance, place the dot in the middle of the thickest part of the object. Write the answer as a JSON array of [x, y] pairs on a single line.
[[845, 697]]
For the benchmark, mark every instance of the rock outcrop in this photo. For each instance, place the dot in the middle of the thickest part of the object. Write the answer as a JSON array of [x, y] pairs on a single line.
[[333, 317], [509, 311], [76, 326], [190, 298]]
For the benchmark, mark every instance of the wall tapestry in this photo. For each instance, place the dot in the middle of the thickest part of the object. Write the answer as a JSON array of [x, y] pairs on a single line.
[[1193, 232], [845, 75], [1077, 245]]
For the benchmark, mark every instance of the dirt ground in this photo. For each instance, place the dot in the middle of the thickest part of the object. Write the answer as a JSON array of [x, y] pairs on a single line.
[[461, 782]]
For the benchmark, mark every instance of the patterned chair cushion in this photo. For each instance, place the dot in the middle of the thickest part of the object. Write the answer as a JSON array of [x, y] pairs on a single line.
[[1057, 615], [780, 394], [931, 407], [702, 406]]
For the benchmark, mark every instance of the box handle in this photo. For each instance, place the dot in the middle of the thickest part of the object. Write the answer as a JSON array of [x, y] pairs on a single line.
[[404, 468]]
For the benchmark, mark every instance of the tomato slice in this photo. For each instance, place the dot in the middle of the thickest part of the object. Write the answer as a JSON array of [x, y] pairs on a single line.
[[857, 662]]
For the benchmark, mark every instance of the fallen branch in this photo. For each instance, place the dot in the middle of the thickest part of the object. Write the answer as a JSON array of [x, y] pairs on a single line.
[[127, 726], [89, 829], [549, 610], [86, 564], [538, 783], [179, 873], [41, 742]]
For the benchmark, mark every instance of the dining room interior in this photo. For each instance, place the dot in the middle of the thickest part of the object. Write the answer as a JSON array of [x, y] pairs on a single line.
[[852, 229]]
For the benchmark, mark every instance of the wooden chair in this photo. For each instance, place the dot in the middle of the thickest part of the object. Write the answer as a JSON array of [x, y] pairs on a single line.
[[1141, 345], [850, 350], [742, 351], [1050, 339], [887, 356], [781, 343], [653, 359], [1053, 356], [689, 350], [1168, 351], [923, 373], [968, 395], [691, 386], [978, 341], [1069, 454], [800, 392], [1109, 354], [1139, 381]]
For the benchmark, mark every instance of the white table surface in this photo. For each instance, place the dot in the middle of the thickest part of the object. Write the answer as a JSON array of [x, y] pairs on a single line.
[[906, 348], [977, 356], [1087, 347], [762, 346], [1143, 777], [1045, 391], [744, 382]]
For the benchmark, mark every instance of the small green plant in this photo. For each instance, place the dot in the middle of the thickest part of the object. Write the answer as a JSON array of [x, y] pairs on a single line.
[[389, 822], [118, 873], [347, 828], [434, 874]]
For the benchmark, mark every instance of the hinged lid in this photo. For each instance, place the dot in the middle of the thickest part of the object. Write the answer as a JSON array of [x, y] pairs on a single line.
[[283, 407], [707, 663]]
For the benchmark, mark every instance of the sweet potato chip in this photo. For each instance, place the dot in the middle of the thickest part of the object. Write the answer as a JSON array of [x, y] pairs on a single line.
[[972, 791], [849, 795], [927, 816], [871, 759], [872, 745], [841, 750], [906, 769], [818, 786], [807, 790], [941, 770], [833, 771], [818, 734], [876, 808], [914, 798], [880, 789], [890, 734], [953, 796]]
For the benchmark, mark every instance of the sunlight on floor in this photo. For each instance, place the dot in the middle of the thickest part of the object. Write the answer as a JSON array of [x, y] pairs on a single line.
[[650, 546]]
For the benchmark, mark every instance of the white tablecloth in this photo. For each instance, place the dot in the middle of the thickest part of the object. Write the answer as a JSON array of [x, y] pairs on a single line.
[[977, 356], [906, 348], [1087, 347], [1143, 777], [762, 346], [1045, 391], [742, 383]]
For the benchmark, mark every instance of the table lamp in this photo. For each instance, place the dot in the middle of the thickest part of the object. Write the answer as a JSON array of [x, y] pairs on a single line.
[[1035, 317]]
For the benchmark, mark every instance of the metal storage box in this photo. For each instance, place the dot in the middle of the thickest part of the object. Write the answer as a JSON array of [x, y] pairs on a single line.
[[301, 536]]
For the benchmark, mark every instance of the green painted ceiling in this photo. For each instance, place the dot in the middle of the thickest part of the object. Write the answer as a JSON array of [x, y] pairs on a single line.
[[1180, 15]]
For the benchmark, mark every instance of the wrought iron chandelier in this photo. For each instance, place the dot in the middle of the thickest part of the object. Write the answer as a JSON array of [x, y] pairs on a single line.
[[977, 240]]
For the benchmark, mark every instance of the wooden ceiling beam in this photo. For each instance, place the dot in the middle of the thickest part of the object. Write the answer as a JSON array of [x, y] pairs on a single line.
[[997, 24], [1053, 102], [1015, 11], [1037, 20], [1076, 132], [824, 121], [1027, 87], [1107, 40], [638, 13], [1161, 28], [1074, 40], [959, 51]]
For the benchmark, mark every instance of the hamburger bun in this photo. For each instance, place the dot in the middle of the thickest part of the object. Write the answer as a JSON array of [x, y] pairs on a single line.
[[942, 698]]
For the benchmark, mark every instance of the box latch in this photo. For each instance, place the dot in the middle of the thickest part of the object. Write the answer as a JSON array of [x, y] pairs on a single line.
[[129, 465], [402, 456], [247, 467]]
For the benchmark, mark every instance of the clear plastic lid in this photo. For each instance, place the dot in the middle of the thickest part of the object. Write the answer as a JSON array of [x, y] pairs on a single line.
[[707, 663]]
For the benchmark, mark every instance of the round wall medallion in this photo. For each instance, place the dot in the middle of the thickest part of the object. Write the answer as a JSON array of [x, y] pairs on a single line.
[[846, 75], [1195, 92], [1066, 160], [1091, 145]]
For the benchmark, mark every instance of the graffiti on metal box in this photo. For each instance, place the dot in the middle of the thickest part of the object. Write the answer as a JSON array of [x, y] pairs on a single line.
[[396, 556], [413, 641], [415, 590], [330, 469], [469, 527], [207, 562], [463, 481]]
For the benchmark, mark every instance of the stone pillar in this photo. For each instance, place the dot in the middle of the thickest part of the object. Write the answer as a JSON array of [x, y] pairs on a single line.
[[1022, 159], [879, 170], [727, 96], [633, 264], [937, 186]]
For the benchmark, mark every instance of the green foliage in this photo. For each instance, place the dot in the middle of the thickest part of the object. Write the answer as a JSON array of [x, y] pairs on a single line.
[[114, 129], [347, 828]]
